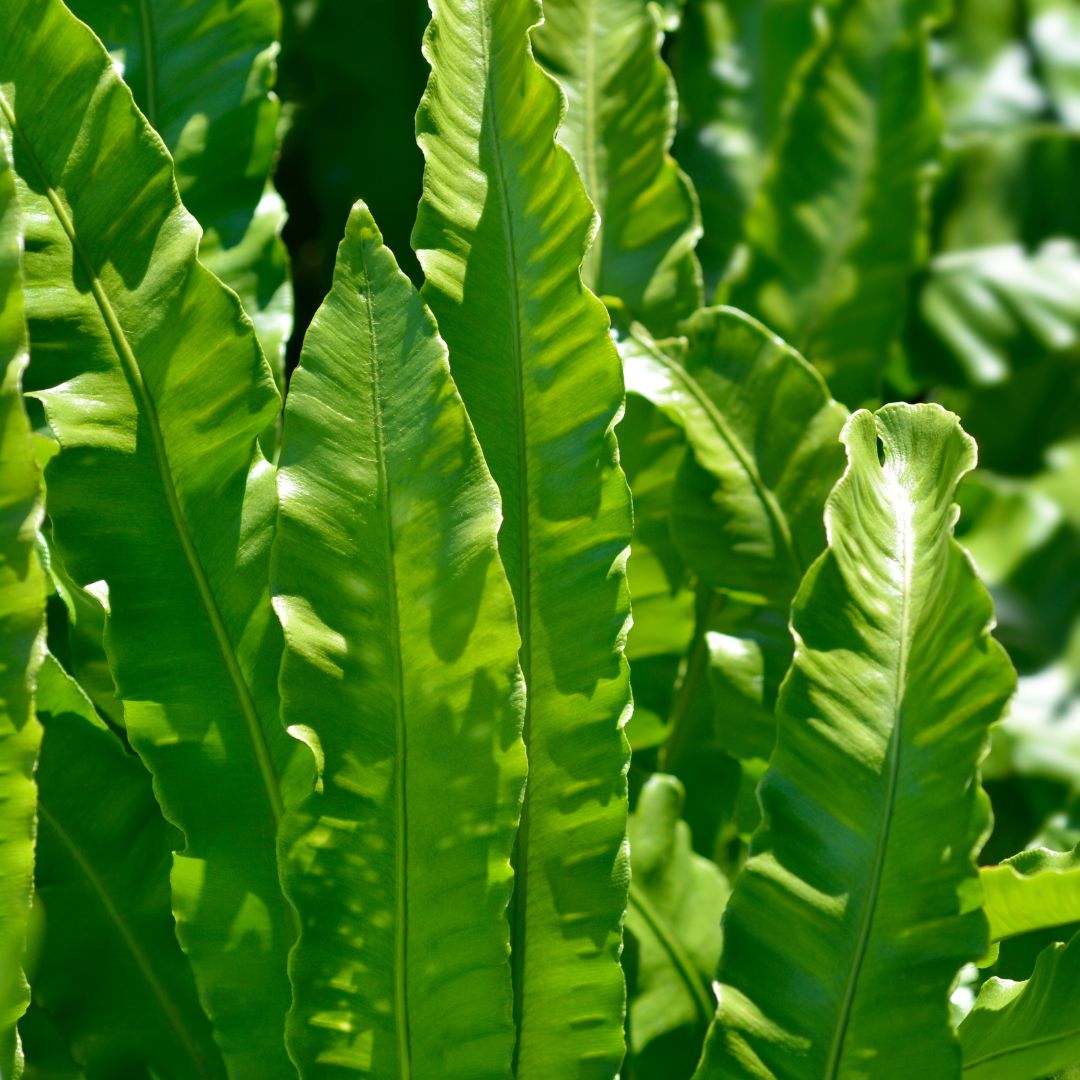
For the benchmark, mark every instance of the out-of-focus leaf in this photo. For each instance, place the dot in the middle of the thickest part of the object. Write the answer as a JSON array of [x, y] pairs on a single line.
[[22, 623], [110, 972], [862, 872], [676, 901], [993, 309], [619, 124], [985, 78], [399, 622], [202, 71], [838, 227], [1026, 1030], [501, 232], [157, 390], [737, 63], [1054, 31], [1030, 891]]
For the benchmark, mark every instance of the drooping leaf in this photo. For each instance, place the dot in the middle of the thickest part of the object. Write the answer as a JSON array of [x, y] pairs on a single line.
[[676, 901], [22, 620], [737, 63], [619, 124], [157, 390], [993, 309], [400, 624], [1032, 890], [747, 503], [501, 232], [110, 972], [862, 873], [837, 228], [1026, 1030], [202, 72]]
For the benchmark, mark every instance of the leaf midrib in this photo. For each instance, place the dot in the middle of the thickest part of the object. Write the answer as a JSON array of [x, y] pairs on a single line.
[[904, 546], [401, 925], [523, 596], [142, 961], [130, 364], [1020, 1047], [745, 460]]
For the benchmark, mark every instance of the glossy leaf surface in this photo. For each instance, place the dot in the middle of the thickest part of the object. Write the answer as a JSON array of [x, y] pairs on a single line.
[[618, 127], [1027, 1030], [400, 624], [22, 618], [501, 232], [110, 973], [862, 871], [157, 390], [1030, 891]]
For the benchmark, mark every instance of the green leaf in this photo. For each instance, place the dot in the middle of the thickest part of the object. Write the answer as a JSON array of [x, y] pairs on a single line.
[[501, 232], [1026, 1030], [736, 63], [619, 124], [746, 506], [838, 226], [22, 622], [862, 873], [1053, 31], [1031, 891], [676, 900], [201, 72], [157, 391], [110, 972], [400, 623], [993, 309]]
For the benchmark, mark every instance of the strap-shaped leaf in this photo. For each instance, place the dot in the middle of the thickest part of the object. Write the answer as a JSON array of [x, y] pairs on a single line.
[[157, 390], [400, 629], [22, 619], [838, 226], [201, 71], [747, 503], [1031, 891], [1027, 1030], [110, 972], [736, 63], [501, 232], [619, 124], [677, 898], [861, 876]]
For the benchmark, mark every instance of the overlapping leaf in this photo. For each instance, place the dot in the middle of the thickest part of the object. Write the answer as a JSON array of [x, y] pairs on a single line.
[[1031, 891], [1027, 1030], [501, 232], [838, 226], [22, 618], [618, 127], [157, 390], [862, 871], [400, 628], [110, 972], [201, 72]]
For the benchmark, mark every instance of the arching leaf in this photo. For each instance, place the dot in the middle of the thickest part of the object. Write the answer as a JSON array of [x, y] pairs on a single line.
[[619, 124], [1027, 1030], [400, 627], [22, 620], [676, 900], [110, 972], [501, 232], [156, 389], [838, 227], [1031, 891], [862, 873], [202, 72]]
